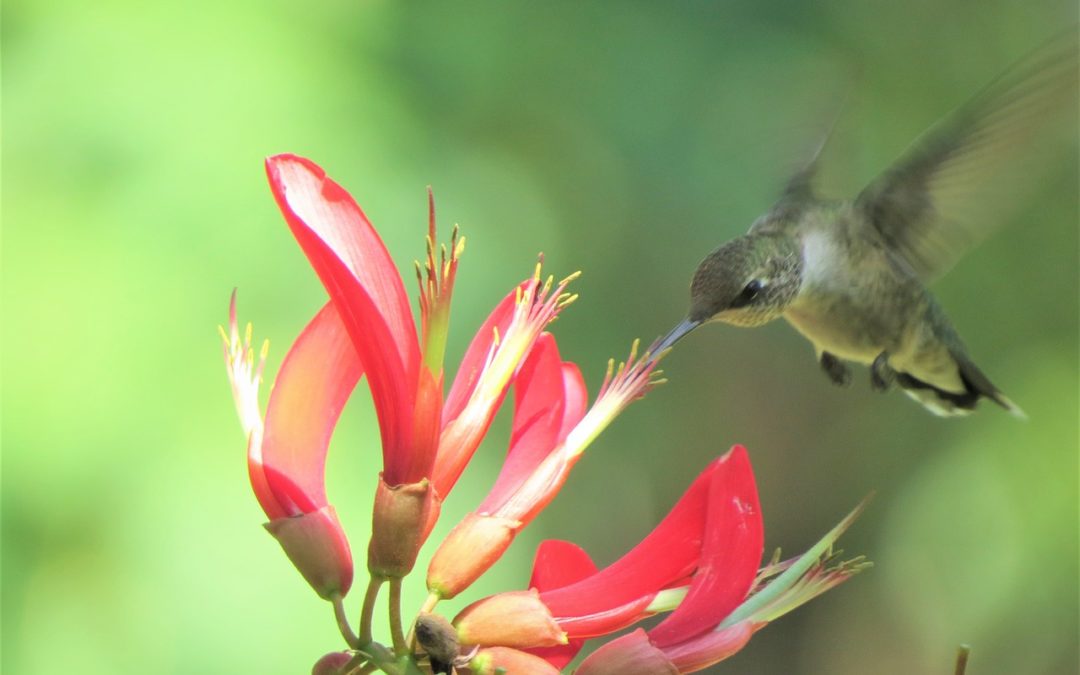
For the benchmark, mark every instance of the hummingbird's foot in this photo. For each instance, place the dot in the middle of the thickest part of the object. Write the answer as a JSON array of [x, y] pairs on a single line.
[[839, 373], [882, 374]]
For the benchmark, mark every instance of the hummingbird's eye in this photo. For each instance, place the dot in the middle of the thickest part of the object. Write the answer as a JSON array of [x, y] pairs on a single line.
[[747, 294]]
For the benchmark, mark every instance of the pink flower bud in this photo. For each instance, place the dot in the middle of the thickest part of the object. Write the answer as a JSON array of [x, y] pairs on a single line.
[[331, 664]]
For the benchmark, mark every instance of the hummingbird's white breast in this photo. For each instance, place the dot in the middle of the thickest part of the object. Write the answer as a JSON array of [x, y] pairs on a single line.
[[839, 307]]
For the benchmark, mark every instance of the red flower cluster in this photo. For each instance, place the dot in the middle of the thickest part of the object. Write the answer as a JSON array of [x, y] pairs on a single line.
[[701, 561]]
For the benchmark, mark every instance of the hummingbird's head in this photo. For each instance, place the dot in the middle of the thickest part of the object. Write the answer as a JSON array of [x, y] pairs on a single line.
[[746, 282]]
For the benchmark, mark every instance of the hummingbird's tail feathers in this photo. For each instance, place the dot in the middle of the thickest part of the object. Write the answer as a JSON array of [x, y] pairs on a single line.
[[945, 403], [938, 401], [980, 385], [1014, 410]]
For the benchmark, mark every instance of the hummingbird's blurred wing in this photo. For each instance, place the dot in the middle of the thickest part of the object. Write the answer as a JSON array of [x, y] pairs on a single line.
[[941, 197], [801, 191]]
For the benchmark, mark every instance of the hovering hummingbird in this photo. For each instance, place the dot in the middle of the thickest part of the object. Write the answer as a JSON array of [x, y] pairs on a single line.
[[851, 275]]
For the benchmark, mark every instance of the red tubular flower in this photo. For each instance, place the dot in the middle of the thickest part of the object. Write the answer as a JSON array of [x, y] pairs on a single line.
[[558, 564], [492, 360], [721, 505], [550, 432], [699, 634], [702, 561], [287, 451], [405, 375]]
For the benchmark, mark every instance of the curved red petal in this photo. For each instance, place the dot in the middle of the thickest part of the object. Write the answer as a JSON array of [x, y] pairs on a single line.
[[539, 393], [606, 619], [364, 284], [472, 364], [312, 199], [315, 380], [670, 552], [575, 398], [559, 563], [730, 553]]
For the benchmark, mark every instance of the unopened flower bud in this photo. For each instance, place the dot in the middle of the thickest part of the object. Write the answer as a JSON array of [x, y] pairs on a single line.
[[331, 664], [468, 551], [492, 660], [513, 619]]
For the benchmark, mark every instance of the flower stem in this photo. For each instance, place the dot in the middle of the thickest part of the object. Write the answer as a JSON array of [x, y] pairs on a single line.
[[396, 634], [373, 657], [358, 664], [343, 622], [370, 597], [962, 654], [428, 606]]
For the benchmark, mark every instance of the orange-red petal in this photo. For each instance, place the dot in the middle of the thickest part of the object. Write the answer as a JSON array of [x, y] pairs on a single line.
[[316, 378]]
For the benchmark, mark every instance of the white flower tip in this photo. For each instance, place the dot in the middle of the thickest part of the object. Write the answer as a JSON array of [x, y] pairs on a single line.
[[244, 370]]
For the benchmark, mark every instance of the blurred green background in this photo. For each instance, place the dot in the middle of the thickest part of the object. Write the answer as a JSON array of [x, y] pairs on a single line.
[[625, 140]]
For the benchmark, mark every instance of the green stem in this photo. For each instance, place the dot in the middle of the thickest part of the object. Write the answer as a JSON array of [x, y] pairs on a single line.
[[368, 611], [396, 634], [962, 659], [372, 658], [358, 664], [428, 607], [343, 622]]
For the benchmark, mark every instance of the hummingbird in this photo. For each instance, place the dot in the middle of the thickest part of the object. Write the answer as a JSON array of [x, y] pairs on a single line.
[[851, 275]]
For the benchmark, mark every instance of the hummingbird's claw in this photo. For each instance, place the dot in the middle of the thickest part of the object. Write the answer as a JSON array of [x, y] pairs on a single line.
[[837, 371], [882, 374]]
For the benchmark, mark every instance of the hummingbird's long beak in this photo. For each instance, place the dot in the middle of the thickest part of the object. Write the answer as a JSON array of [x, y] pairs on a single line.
[[677, 333]]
